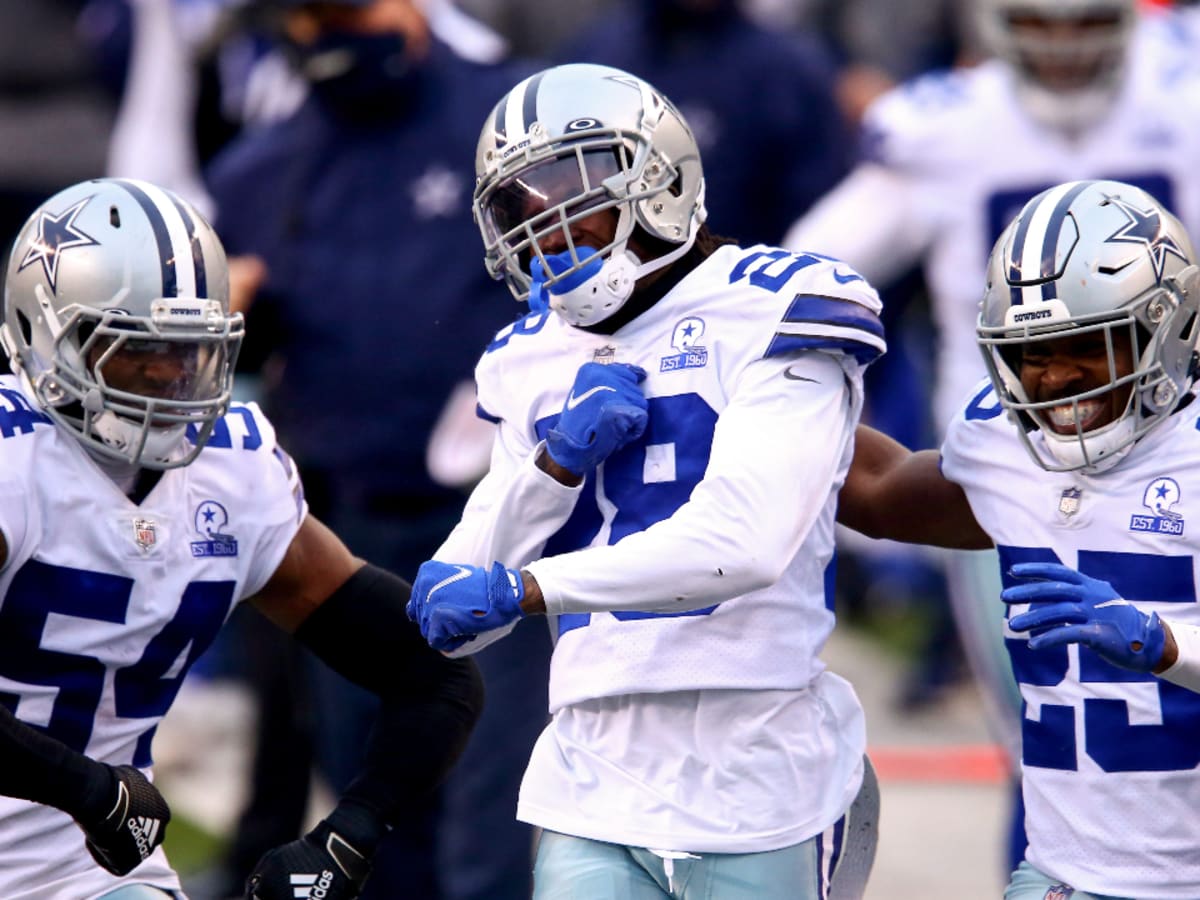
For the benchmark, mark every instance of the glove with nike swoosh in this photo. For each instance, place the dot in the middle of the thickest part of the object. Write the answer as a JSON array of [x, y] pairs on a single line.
[[453, 603], [331, 862], [133, 824], [1070, 607], [604, 411]]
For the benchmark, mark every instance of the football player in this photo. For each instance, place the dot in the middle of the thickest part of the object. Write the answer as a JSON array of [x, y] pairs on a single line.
[[1080, 450], [1075, 89], [649, 494], [139, 506]]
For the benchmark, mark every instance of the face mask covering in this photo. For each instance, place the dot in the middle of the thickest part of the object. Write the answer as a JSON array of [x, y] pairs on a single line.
[[365, 77]]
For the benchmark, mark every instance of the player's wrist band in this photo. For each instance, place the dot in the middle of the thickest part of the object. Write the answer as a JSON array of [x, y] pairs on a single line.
[[1186, 670], [35, 766]]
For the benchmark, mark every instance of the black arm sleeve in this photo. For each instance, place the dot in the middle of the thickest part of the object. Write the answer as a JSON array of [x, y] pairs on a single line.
[[429, 702], [36, 767]]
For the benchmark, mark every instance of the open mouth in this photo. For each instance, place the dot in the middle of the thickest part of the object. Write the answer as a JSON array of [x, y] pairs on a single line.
[[1071, 418]]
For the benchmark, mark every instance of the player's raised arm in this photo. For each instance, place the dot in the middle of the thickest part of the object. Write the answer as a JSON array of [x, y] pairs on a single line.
[[351, 614], [891, 492]]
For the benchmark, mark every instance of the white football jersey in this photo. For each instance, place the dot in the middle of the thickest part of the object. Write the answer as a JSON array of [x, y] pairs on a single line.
[[1110, 757], [691, 576], [104, 604], [951, 157]]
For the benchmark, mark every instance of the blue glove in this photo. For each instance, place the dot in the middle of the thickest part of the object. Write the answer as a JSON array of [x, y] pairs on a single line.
[[604, 411], [453, 603], [1070, 607]]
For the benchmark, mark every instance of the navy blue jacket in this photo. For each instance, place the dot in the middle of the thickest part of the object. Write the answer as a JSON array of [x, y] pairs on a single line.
[[377, 302]]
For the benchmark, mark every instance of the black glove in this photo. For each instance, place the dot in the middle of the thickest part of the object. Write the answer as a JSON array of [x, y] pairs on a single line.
[[134, 824], [330, 862]]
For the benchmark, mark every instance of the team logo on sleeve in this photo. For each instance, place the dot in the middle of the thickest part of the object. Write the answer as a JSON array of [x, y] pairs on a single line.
[[685, 340], [211, 517], [1161, 494]]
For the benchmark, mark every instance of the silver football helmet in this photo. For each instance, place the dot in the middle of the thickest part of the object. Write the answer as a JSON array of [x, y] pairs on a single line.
[[116, 318], [1068, 55], [1092, 258], [563, 145]]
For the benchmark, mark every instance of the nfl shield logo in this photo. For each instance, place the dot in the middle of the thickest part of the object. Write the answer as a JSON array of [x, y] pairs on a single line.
[[143, 533], [1068, 505], [1059, 892], [604, 355]]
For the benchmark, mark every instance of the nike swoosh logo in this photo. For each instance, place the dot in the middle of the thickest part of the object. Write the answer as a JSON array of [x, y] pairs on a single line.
[[461, 573], [573, 401], [847, 277], [792, 376]]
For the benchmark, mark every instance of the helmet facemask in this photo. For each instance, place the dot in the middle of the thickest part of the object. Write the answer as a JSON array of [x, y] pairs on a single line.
[[1067, 443], [132, 388]]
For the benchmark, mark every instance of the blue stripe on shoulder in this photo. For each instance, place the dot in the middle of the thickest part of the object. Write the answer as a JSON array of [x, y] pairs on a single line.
[[823, 310], [863, 353]]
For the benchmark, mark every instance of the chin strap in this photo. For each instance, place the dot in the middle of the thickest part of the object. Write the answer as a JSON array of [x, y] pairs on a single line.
[[1104, 448], [122, 436], [598, 287]]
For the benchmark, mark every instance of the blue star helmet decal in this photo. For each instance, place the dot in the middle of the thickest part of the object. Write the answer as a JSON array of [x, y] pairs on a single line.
[[1145, 227], [55, 234]]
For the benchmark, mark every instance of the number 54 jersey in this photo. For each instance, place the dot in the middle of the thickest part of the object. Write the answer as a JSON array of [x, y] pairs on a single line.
[[1110, 758], [104, 604]]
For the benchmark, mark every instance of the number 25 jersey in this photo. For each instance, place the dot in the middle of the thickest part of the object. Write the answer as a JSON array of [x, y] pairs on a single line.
[[1109, 757]]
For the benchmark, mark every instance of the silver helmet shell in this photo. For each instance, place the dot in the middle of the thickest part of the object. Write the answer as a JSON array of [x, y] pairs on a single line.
[[1092, 257], [101, 272], [1085, 41], [618, 144]]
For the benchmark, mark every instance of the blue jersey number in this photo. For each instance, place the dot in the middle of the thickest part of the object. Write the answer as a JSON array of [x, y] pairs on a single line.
[[221, 435], [645, 481], [17, 416], [144, 689], [1109, 738]]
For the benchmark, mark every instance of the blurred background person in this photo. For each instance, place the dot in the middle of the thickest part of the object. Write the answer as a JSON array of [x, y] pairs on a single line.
[[761, 103], [352, 215]]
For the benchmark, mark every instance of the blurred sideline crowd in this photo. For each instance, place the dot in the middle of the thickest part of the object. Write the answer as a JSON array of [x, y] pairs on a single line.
[[351, 241]]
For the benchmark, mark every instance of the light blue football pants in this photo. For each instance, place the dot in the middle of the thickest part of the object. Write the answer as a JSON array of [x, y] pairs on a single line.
[[833, 865], [139, 892], [1028, 883]]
